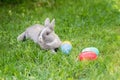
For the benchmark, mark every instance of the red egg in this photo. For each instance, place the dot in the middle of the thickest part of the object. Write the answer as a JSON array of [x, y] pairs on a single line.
[[88, 55]]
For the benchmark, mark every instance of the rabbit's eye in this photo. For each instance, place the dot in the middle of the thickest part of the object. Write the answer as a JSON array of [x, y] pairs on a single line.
[[47, 33]]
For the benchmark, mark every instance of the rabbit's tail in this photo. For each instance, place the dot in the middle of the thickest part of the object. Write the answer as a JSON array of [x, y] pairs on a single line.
[[21, 37]]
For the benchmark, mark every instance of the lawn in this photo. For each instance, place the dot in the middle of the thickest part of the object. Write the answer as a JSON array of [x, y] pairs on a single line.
[[84, 23]]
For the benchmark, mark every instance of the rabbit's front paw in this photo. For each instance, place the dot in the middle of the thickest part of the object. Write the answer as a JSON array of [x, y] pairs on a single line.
[[53, 51]]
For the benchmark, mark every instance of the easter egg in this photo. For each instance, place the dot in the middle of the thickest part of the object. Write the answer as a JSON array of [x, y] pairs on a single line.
[[88, 55], [91, 49], [66, 47]]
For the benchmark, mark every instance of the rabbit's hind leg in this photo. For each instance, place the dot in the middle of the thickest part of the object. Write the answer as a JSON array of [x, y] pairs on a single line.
[[22, 37]]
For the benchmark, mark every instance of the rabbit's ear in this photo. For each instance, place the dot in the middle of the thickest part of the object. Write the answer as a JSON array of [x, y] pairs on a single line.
[[52, 24], [47, 21]]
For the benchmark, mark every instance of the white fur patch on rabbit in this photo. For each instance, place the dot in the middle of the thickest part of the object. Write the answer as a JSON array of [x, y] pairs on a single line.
[[43, 35]]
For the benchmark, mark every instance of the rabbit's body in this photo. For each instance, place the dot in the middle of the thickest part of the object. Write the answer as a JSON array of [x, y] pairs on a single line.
[[33, 32], [42, 35]]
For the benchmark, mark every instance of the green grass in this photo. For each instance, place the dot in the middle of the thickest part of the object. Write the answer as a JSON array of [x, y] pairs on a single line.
[[84, 23]]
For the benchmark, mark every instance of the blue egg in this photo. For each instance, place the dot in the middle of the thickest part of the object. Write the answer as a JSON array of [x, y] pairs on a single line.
[[91, 49], [66, 48]]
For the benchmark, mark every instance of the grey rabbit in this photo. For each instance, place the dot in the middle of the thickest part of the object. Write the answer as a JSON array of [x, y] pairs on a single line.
[[43, 35]]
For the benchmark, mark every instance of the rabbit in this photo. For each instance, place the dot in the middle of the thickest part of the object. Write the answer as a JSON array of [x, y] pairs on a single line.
[[43, 35]]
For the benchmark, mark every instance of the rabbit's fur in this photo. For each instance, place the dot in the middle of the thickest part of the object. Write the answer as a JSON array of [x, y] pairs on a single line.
[[43, 35]]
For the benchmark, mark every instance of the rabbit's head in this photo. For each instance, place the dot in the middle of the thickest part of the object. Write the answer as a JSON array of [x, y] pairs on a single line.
[[47, 33]]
